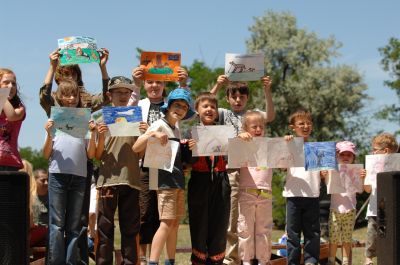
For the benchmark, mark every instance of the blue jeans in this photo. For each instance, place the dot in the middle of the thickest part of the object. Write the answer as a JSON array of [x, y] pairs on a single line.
[[66, 194], [302, 215]]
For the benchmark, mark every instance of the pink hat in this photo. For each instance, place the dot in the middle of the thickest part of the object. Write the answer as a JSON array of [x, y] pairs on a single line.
[[346, 146]]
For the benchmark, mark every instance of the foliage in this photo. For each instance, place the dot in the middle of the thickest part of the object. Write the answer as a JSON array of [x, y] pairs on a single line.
[[35, 157]]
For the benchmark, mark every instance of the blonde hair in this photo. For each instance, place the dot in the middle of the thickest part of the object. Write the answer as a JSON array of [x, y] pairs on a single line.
[[16, 100], [300, 113], [251, 114], [67, 88], [386, 140], [28, 168]]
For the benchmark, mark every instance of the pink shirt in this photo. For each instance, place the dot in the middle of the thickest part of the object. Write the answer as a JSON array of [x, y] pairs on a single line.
[[9, 131], [255, 177], [343, 202]]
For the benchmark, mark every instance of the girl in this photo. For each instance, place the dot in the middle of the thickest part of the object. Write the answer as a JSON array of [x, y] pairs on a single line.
[[67, 172], [11, 119], [255, 200]]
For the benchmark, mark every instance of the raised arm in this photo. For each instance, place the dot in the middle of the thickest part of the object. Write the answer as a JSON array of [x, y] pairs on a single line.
[[101, 129], [221, 81], [91, 148], [269, 105], [45, 97], [13, 114], [48, 143], [183, 76]]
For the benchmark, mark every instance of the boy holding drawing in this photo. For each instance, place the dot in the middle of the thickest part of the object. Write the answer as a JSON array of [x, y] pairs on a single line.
[[237, 95], [384, 143], [302, 203], [170, 185], [118, 184], [208, 195]]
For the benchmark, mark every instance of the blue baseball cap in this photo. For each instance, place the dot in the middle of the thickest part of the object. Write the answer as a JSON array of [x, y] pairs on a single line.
[[179, 94]]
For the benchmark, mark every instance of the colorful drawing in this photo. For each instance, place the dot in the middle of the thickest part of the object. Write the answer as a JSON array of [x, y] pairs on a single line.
[[161, 65], [76, 50], [73, 121], [123, 121], [346, 180], [320, 156], [244, 67], [247, 153], [160, 156], [285, 154], [212, 140], [4, 93], [375, 164]]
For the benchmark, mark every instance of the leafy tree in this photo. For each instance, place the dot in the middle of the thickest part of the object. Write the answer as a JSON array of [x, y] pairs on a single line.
[[35, 157], [391, 63]]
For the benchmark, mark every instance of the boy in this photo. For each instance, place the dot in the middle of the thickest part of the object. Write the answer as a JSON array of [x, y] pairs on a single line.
[[237, 95], [118, 184], [302, 200], [208, 195], [170, 186], [384, 143]]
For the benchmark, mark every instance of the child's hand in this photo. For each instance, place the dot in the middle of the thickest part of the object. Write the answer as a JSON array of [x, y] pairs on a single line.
[[363, 174], [138, 75], [49, 126], [245, 136], [191, 143], [163, 137], [104, 53], [266, 80], [143, 126], [288, 137], [222, 80], [54, 57], [102, 128], [323, 174], [92, 126], [182, 76]]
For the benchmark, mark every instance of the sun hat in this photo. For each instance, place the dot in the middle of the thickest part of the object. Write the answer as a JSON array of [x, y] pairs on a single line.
[[346, 146], [120, 82], [179, 94]]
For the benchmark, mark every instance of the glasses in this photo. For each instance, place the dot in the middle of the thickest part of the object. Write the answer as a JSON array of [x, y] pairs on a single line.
[[303, 124]]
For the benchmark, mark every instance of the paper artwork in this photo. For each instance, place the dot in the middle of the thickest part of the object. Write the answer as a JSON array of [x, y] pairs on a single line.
[[285, 154], [76, 50], [320, 156], [73, 121], [161, 66], [212, 140], [247, 153], [123, 121], [244, 67], [160, 156]]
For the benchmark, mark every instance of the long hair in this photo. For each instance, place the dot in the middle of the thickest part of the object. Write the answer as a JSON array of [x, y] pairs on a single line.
[[16, 100]]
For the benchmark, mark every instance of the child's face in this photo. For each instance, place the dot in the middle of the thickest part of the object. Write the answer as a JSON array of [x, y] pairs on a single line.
[[237, 101], [71, 75], [70, 101], [255, 126], [178, 109], [378, 150], [154, 89], [9, 81], [42, 181], [119, 97], [345, 157], [302, 127], [207, 111]]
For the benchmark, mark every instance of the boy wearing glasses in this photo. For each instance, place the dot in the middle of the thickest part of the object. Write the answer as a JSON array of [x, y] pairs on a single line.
[[237, 95]]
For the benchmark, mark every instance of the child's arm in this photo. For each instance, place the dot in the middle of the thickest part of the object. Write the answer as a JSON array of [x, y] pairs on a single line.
[[269, 105], [101, 129], [54, 57], [91, 148], [367, 188], [221, 81], [103, 63], [45, 97], [141, 142], [13, 114], [137, 77], [182, 77], [48, 144]]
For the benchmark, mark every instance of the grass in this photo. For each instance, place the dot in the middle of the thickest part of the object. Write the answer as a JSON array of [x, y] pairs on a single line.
[[184, 241]]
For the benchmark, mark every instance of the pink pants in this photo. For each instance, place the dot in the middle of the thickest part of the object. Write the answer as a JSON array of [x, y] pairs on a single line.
[[254, 227]]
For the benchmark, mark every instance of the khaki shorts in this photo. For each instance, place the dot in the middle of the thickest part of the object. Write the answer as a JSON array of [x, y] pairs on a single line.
[[171, 203]]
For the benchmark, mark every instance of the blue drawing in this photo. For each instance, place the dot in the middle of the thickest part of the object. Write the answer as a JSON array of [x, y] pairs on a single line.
[[320, 156], [113, 115], [73, 121]]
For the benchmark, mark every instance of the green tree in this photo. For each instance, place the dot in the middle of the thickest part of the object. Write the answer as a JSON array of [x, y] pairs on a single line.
[[35, 157], [391, 63]]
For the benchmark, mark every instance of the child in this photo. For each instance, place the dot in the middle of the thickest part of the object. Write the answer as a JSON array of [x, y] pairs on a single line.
[[118, 184], [208, 195], [11, 119], [255, 200], [384, 143], [170, 185], [343, 209], [155, 96], [302, 203], [67, 181], [237, 95], [73, 72]]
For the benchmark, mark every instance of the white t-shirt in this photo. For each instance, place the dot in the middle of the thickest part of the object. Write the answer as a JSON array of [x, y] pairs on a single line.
[[301, 183]]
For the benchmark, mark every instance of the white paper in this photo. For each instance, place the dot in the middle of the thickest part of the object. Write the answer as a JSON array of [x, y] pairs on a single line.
[[244, 67], [212, 140], [346, 180], [247, 153], [375, 164], [285, 154], [160, 156]]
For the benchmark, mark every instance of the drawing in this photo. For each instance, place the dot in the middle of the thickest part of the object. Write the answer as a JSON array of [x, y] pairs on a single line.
[[73, 121], [212, 140], [244, 67], [4, 93], [375, 164], [247, 153], [320, 156], [76, 50], [346, 180], [285, 154], [160, 65], [123, 121], [160, 156]]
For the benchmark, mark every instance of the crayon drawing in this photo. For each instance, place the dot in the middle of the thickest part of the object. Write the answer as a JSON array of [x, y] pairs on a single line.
[[244, 67], [285, 154], [320, 156], [73, 121], [160, 156], [375, 164], [161, 66], [247, 153], [123, 121], [4, 93], [346, 180], [76, 50], [212, 140]]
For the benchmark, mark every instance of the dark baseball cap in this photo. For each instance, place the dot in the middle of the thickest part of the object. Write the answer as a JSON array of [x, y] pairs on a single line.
[[120, 82]]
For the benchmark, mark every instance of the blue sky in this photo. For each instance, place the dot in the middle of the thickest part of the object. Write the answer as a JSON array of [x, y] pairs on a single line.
[[203, 30]]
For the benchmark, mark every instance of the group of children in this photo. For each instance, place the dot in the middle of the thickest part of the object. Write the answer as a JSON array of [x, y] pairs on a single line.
[[230, 209]]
